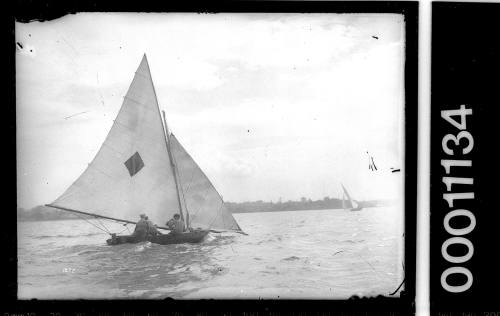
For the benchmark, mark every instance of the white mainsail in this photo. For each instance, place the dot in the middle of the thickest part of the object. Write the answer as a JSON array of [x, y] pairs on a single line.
[[132, 173]]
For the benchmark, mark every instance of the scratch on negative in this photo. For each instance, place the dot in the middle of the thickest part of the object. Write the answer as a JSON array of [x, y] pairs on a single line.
[[67, 117]]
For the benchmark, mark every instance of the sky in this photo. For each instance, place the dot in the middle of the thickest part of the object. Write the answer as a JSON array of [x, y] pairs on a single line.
[[270, 106]]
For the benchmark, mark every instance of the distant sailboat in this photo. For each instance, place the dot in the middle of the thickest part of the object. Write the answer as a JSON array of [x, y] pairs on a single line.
[[350, 204], [142, 168]]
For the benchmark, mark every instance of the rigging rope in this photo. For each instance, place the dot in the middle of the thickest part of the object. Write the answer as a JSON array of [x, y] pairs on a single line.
[[189, 217], [190, 181], [179, 189], [218, 213], [85, 219], [183, 198], [126, 228], [194, 214], [105, 228]]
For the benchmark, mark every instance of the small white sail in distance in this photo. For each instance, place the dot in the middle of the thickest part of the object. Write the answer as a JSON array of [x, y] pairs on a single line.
[[350, 203], [132, 172]]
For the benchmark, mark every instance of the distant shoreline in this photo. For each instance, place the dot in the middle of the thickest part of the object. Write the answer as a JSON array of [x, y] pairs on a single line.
[[45, 213]]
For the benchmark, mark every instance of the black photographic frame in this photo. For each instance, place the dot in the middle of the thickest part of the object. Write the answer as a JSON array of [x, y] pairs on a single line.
[[47, 10]]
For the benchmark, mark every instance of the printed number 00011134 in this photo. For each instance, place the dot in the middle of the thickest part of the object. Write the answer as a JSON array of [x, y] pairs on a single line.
[[463, 139]]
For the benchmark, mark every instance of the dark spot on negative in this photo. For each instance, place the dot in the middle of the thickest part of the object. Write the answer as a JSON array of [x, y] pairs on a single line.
[[20, 46]]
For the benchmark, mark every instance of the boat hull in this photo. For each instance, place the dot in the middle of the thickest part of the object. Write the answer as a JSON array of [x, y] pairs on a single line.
[[167, 239], [192, 237]]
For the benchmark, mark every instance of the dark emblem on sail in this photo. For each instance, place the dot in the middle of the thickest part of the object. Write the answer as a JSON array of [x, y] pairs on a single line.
[[134, 164]]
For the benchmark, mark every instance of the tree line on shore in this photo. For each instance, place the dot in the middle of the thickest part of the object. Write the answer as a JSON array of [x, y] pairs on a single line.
[[303, 205], [45, 213]]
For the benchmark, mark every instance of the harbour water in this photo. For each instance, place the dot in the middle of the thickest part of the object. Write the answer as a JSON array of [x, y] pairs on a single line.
[[324, 254]]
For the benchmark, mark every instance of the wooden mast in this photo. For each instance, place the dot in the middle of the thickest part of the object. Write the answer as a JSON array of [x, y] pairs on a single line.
[[172, 165], [180, 190]]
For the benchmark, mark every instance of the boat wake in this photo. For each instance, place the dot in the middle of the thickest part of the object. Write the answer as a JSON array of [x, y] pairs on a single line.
[[69, 236], [142, 247]]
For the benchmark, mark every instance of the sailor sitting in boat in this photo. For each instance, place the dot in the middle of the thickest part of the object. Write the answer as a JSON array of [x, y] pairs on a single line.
[[141, 228], [176, 224], [152, 230]]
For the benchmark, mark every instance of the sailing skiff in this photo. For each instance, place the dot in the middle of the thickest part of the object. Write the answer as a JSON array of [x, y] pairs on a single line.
[[350, 204], [142, 168]]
